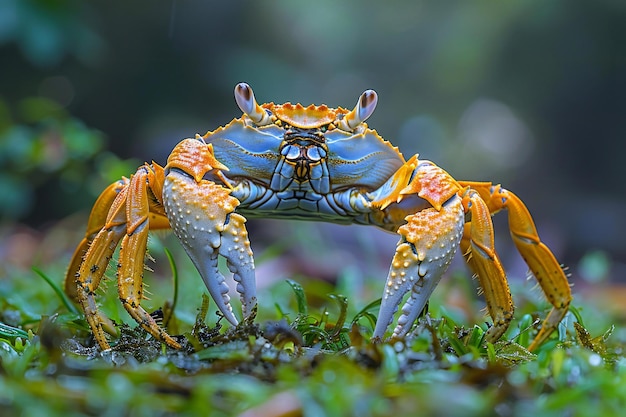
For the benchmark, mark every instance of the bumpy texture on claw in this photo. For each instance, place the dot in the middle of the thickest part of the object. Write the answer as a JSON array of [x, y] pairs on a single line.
[[428, 243], [430, 237], [201, 215]]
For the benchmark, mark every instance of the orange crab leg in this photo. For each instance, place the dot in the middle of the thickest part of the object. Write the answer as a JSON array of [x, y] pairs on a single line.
[[95, 263], [96, 222], [132, 253], [116, 215], [538, 257], [479, 252]]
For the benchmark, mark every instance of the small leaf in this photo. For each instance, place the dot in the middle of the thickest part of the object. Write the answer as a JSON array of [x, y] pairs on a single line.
[[343, 312], [476, 337], [300, 297], [525, 325], [365, 313], [511, 353], [596, 344]]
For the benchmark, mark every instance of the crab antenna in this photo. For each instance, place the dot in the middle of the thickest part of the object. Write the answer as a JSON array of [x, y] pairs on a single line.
[[362, 111], [244, 96]]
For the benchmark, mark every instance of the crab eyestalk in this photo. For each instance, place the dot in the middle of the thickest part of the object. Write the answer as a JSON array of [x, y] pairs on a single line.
[[244, 96], [365, 106]]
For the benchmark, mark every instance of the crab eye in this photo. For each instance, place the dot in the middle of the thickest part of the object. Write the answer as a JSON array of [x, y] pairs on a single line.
[[365, 106], [244, 96]]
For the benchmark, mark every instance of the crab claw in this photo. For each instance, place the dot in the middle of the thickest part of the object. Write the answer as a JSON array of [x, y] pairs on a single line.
[[201, 214], [365, 106], [244, 96], [428, 242]]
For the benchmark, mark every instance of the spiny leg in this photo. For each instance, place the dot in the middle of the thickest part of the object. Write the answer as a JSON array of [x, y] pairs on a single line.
[[479, 252], [132, 254], [97, 220], [105, 229], [201, 215], [428, 244], [93, 267], [536, 254]]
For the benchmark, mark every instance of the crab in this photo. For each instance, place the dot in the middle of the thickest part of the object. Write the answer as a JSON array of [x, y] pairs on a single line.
[[315, 163]]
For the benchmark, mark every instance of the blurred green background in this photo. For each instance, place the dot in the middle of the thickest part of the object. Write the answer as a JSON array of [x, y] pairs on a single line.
[[528, 93]]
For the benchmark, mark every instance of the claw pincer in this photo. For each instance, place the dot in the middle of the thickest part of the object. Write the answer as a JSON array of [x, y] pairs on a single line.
[[428, 242], [201, 215]]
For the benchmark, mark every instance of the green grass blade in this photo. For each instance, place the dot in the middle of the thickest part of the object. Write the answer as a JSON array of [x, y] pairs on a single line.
[[577, 314], [343, 312], [300, 297], [12, 332], [175, 282], [64, 299], [525, 325], [365, 312]]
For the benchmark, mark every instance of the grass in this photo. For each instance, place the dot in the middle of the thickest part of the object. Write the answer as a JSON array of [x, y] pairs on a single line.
[[306, 353]]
